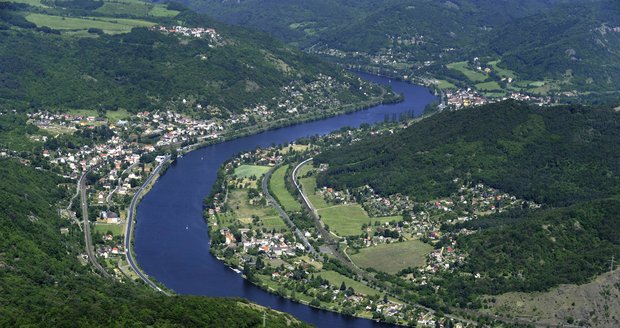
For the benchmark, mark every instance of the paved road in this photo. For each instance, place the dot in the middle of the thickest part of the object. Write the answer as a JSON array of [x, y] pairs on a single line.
[[329, 239], [86, 224], [118, 183], [283, 214], [129, 229]]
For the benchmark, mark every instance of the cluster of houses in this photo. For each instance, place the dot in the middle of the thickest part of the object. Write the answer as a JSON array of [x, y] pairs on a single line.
[[196, 32], [460, 98], [273, 244]]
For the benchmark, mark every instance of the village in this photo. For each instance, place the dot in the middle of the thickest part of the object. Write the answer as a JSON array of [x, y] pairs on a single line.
[[270, 255], [120, 149]]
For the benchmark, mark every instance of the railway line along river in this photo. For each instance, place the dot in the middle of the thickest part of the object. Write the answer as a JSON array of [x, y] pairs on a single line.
[[171, 242]]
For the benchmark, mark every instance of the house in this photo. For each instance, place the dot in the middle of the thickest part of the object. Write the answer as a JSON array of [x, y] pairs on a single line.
[[110, 217]]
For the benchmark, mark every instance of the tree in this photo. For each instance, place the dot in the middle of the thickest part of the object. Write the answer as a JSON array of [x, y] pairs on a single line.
[[343, 286]]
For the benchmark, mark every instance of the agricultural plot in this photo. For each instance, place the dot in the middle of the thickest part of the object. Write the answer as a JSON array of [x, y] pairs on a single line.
[[277, 186], [347, 220], [309, 187], [246, 171], [394, 257], [488, 86], [242, 212], [502, 72], [337, 279], [443, 84], [108, 25], [472, 75]]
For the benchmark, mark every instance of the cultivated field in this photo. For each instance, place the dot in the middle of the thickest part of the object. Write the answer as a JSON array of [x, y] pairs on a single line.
[[284, 197], [472, 75], [394, 257], [347, 220], [243, 211], [336, 279], [108, 25], [246, 171]]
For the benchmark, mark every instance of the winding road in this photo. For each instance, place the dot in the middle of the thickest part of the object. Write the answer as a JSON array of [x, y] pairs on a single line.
[[129, 228], [90, 251]]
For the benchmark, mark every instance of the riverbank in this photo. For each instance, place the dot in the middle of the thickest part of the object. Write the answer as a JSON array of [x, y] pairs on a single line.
[[171, 240]]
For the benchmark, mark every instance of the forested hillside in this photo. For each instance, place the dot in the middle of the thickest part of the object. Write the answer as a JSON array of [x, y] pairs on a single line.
[[567, 44], [142, 69], [564, 158], [42, 281]]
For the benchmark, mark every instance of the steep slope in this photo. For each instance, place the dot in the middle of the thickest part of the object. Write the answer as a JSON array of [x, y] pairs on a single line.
[[42, 281], [227, 69], [564, 158]]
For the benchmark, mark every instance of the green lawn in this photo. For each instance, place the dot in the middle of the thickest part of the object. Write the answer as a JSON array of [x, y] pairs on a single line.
[[284, 197], [488, 86], [347, 220], [336, 279], [108, 25], [502, 72], [116, 229], [392, 258], [474, 76], [246, 171]]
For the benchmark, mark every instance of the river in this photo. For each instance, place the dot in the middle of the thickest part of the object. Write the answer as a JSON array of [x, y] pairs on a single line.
[[171, 240]]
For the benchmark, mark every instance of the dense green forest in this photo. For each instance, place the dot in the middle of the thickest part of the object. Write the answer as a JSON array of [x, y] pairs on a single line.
[[572, 43], [565, 158], [42, 281], [145, 70]]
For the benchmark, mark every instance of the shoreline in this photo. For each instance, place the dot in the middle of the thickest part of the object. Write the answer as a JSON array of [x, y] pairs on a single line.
[[161, 170]]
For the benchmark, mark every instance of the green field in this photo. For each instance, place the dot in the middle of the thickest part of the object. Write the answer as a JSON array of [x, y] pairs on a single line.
[[488, 86], [336, 279], [161, 11], [35, 3], [392, 258], [443, 84], [115, 115], [502, 72], [108, 25], [242, 212], [136, 7], [246, 171], [116, 229], [284, 197], [273, 222], [309, 188], [472, 75], [347, 220]]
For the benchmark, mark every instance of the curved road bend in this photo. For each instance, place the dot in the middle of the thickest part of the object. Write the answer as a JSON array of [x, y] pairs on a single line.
[[129, 228], [90, 252], [283, 214]]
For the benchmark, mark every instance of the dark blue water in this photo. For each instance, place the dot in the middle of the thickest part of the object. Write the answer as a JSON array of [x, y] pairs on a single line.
[[179, 257]]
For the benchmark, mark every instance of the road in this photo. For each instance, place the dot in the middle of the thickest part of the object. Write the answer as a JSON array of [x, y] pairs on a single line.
[[283, 214], [129, 228], [329, 238], [337, 253], [90, 252], [118, 183]]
